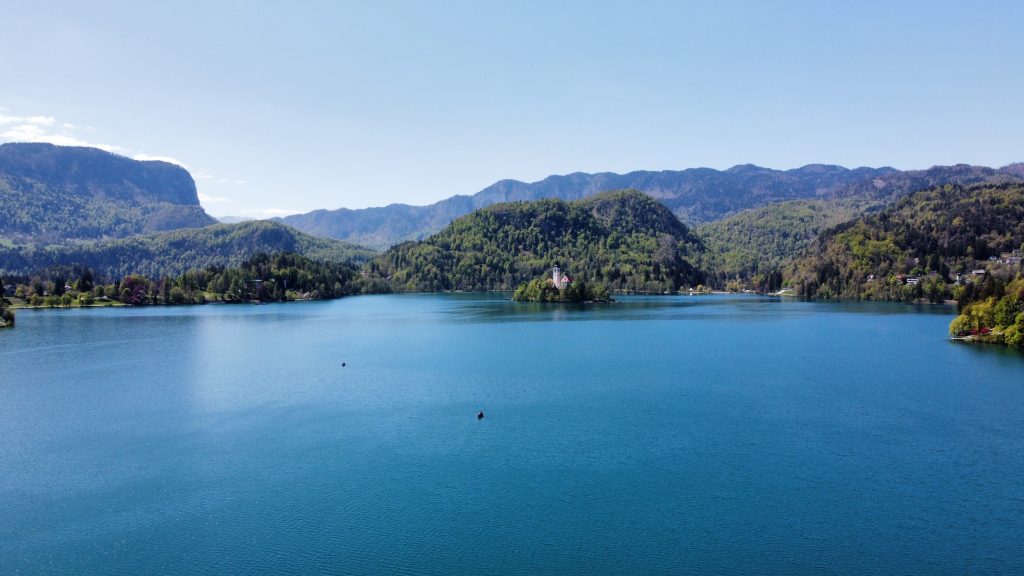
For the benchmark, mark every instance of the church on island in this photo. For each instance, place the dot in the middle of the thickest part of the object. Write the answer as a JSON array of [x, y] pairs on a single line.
[[559, 280]]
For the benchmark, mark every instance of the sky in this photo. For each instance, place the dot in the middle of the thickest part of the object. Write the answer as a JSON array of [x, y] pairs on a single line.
[[285, 107]]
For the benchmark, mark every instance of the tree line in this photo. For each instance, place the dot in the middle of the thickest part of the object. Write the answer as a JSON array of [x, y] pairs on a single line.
[[6, 314], [265, 278]]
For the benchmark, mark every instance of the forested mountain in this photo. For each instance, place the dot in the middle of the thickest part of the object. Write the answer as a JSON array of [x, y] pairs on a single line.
[[52, 194], [698, 195], [915, 248], [746, 248], [695, 195], [62, 206], [625, 239], [172, 253], [67, 206]]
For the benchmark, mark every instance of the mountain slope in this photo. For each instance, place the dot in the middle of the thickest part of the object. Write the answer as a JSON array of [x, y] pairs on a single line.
[[753, 244], [930, 236], [624, 238], [382, 227], [171, 253], [56, 193], [695, 195]]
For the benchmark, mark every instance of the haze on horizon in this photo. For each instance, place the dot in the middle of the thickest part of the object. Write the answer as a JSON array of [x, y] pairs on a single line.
[[278, 110]]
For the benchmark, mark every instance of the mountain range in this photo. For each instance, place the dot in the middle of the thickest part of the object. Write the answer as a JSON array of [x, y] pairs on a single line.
[[62, 206], [696, 195]]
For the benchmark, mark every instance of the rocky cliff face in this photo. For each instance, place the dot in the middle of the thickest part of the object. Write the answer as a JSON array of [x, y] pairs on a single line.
[[55, 193]]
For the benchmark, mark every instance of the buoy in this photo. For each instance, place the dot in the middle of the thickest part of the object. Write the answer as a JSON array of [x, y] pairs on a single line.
[[480, 416], [342, 364]]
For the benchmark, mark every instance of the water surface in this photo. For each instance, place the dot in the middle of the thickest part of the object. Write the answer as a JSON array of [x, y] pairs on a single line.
[[720, 435]]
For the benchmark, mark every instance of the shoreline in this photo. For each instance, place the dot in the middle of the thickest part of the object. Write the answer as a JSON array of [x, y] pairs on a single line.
[[21, 305]]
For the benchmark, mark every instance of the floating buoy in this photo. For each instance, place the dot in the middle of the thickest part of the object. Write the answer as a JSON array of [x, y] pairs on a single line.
[[480, 416], [342, 364]]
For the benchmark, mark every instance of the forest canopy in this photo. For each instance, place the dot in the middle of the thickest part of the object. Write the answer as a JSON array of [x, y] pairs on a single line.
[[624, 239]]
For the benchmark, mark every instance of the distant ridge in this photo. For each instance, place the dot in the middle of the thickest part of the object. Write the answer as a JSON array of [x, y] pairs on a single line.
[[234, 219], [695, 195]]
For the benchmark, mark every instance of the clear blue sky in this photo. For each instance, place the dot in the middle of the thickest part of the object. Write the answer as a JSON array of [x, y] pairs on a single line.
[[288, 107]]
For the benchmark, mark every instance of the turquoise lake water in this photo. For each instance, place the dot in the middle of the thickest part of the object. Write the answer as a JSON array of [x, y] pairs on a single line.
[[667, 435]]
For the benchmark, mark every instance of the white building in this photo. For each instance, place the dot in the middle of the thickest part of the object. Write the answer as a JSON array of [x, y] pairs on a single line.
[[559, 280]]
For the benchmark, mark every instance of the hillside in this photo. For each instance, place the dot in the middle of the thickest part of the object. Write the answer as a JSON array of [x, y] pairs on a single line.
[[51, 194], [749, 248], [916, 248], [696, 195], [171, 253], [625, 239], [382, 227]]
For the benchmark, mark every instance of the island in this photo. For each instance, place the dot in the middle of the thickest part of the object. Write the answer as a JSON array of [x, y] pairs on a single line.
[[561, 287]]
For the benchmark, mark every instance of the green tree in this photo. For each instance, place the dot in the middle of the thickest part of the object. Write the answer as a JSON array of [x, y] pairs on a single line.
[[86, 283], [176, 296], [6, 315]]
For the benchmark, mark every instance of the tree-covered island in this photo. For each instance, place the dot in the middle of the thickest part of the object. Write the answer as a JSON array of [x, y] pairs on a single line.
[[561, 287]]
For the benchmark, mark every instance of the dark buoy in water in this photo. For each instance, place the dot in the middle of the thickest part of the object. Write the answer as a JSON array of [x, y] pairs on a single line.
[[342, 364], [480, 416]]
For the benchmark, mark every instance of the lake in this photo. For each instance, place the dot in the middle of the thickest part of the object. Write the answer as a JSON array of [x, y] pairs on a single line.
[[661, 435]]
